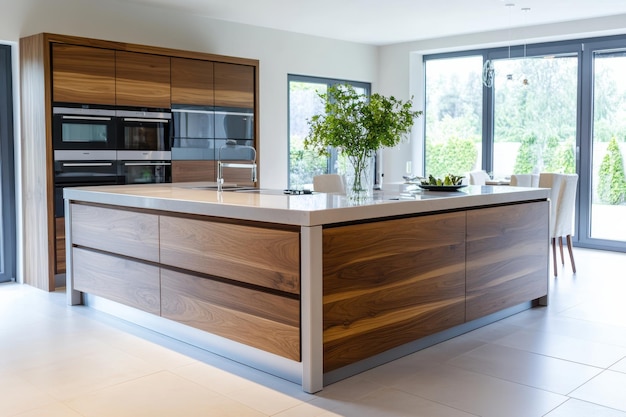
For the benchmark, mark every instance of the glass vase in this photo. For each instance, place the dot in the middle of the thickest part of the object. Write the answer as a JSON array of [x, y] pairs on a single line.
[[360, 177]]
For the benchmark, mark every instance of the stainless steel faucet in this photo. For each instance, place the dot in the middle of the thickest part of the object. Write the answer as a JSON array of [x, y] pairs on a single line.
[[221, 165]]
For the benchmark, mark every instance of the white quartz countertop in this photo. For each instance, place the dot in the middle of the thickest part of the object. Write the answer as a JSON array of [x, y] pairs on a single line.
[[304, 210]]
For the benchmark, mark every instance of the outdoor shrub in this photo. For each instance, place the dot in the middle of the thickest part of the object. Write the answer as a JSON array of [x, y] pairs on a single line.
[[612, 182]]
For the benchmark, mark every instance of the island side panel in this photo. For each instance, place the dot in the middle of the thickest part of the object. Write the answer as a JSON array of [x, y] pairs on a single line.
[[507, 256], [391, 282]]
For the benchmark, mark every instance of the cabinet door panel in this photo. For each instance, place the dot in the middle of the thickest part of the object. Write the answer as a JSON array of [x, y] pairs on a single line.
[[265, 321], [507, 257], [142, 80], [189, 171], [119, 279], [254, 255], [118, 231], [82, 74], [234, 85], [192, 82], [391, 282]]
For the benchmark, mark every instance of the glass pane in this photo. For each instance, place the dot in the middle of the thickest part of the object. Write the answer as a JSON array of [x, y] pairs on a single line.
[[535, 108], [304, 103], [453, 115], [609, 133]]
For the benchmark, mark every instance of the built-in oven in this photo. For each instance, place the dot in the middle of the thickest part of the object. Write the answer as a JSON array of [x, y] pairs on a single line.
[[144, 167], [74, 168], [139, 130], [85, 128]]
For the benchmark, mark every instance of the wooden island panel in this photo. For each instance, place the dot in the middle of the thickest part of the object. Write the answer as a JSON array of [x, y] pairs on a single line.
[[266, 321], [507, 257], [389, 283], [123, 232], [259, 256], [123, 280]]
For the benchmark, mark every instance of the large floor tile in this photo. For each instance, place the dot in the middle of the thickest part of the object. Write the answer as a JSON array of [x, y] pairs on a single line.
[[51, 410], [479, 394], [159, 395], [565, 347], [18, 395], [607, 389], [522, 367], [577, 408]]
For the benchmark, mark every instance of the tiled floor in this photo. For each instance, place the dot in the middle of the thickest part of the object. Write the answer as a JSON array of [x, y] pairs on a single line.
[[564, 360]]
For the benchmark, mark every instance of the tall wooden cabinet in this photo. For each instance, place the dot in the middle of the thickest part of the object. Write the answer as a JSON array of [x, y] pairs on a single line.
[[69, 69], [83, 74]]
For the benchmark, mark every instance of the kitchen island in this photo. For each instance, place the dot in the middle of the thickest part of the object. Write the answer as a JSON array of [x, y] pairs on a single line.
[[312, 288]]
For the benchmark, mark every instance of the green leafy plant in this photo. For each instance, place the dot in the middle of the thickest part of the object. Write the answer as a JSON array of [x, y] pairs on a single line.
[[612, 183], [358, 125]]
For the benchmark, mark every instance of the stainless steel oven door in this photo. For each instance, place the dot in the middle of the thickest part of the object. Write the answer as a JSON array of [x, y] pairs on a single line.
[[83, 129], [145, 171], [144, 130]]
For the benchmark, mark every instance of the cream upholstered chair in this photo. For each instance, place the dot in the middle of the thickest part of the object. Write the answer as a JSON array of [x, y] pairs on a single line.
[[479, 177], [525, 180], [329, 183], [562, 201]]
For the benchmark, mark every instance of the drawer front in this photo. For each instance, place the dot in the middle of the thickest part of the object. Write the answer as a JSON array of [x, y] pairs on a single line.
[[265, 321], [128, 282], [507, 257], [117, 231], [254, 255]]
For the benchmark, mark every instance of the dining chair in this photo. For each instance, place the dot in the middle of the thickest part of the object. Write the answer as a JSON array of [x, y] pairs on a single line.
[[562, 202], [329, 183], [525, 180], [479, 177]]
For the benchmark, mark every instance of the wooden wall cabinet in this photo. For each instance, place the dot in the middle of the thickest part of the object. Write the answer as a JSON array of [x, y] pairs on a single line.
[[83, 74], [192, 82], [142, 80], [234, 85]]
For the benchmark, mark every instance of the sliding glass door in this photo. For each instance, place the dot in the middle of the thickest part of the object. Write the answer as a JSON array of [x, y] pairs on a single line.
[[535, 115], [607, 205]]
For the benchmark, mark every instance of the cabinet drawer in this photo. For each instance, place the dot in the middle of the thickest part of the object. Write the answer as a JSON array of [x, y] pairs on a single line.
[[254, 255], [265, 321], [118, 231], [132, 283]]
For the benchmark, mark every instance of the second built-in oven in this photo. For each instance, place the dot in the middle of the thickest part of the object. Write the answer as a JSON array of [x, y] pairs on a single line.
[[144, 130]]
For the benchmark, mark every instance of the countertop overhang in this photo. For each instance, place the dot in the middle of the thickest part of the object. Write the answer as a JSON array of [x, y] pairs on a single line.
[[302, 210]]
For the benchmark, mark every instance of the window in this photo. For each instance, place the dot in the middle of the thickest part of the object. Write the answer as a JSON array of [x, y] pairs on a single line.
[[305, 102]]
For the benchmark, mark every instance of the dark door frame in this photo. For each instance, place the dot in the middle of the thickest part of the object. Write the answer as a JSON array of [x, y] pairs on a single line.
[[7, 168]]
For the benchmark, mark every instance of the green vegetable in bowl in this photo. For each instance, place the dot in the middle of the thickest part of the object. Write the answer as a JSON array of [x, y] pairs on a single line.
[[447, 180]]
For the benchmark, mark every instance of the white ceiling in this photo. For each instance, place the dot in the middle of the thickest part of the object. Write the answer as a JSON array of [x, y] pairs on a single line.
[[381, 22]]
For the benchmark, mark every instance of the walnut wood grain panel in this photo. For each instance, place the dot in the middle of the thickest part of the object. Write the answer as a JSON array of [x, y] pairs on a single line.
[[118, 231], [142, 80], [187, 171], [60, 244], [234, 85], [83, 74], [507, 257], [389, 283], [37, 174], [122, 280], [255, 255], [192, 82], [265, 321]]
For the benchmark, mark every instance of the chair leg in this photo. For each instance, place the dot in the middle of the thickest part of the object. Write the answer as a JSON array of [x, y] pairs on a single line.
[[561, 249], [571, 253], [554, 256]]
